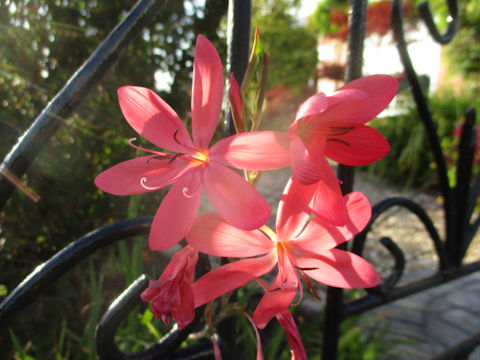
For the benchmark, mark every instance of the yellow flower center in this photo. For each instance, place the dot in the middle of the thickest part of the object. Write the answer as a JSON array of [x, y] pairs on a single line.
[[201, 157]]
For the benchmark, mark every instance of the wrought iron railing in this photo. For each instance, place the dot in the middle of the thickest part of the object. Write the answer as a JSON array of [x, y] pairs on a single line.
[[458, 206]]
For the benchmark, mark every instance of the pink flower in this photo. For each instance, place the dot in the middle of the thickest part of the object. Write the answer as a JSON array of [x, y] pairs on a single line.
[[309, 247], [295, 341], [334, 127], [172, 295], [191, 164], [288, 323]]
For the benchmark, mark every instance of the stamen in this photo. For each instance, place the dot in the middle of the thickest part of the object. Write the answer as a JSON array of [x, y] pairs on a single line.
[[186, 194], [339, 130], [306, 269], [310, 286], [159, 157], [175, 137], [130, 142], [339, 140], [176, 156], [143, 180]]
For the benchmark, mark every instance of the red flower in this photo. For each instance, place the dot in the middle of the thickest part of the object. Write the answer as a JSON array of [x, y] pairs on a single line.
[[172, 295]]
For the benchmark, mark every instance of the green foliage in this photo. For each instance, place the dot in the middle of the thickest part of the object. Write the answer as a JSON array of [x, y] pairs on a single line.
[[291, 47], [410, 150], [320, 21], [464, 51], [365, 338]]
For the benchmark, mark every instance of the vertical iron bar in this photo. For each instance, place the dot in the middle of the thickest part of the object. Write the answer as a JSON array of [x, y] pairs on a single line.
[[463, 188], [239, 22], [62, 105], [335, 307], [238, 38]]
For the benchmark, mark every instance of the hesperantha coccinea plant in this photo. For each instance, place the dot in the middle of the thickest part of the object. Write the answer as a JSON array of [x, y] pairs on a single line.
[[313, 216]]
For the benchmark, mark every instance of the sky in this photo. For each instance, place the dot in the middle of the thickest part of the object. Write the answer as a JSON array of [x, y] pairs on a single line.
[[307, 8]]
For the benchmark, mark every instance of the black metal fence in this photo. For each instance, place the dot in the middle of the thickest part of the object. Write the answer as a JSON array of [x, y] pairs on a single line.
[[459, 201]]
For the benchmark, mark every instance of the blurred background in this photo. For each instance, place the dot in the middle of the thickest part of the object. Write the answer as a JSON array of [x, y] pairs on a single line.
[[43, 42]]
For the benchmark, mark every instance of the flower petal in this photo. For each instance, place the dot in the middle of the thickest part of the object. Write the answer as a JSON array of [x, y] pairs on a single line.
[[127, 177], [319, 235], [259, 150], [153, 118], [176, 213], [186, 313], [280, 295], [293, 209], [303, 166], [314, 105], [294, 340], [230, 277], [211, 235], [235, 200], [327, 202], [207, 92], [347, 106], [341, 269], [360, 146]]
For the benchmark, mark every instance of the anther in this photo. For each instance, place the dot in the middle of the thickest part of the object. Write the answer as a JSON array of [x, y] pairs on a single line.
[[339, 140], [175, 137], [143, 180]]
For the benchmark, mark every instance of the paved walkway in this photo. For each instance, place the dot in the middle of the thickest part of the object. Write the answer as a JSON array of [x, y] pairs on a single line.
[[427, 323]]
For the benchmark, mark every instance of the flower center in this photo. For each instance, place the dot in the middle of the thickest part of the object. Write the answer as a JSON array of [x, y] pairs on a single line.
[[201, 157]]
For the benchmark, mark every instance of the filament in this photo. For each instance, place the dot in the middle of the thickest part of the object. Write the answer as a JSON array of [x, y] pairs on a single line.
[[186, 194], [130, 142]]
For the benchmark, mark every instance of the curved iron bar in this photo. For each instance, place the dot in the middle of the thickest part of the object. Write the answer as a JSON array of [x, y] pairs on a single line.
[[399, 265], [165, 348], [425, 116], [459, 200], [461, 350], [426, 15], [375, 299], [384, 205], [45, 274], [48, 122], [387, 292]]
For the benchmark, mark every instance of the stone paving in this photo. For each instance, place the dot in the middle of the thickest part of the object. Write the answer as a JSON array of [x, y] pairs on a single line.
[[426, 324]]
